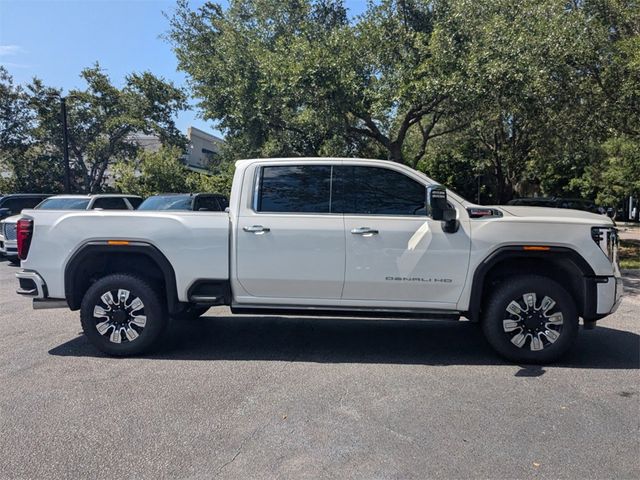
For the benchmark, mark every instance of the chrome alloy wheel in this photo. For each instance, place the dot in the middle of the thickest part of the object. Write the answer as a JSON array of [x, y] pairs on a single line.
[[539, 325], [118, 318]]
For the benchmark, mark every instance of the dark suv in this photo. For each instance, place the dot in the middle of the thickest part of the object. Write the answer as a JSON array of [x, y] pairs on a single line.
[[13, 204], [197, 202]]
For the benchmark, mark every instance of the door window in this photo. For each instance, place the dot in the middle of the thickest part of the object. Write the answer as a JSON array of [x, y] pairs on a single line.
[[376, 191], [295, 189]]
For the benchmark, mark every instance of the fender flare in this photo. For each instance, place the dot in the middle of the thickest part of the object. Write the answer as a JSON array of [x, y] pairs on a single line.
[[104, 247], [588, 306]]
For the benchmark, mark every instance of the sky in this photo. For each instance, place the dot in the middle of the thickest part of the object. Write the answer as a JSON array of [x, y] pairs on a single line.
[[55, 39]]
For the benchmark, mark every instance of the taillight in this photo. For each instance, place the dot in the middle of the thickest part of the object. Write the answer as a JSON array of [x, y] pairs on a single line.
[[24, 234]]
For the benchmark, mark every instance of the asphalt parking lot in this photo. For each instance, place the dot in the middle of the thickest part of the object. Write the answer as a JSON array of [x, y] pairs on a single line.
[[256, 397]]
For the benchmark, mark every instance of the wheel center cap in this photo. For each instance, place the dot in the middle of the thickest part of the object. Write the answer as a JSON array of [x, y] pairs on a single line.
[[532, 321], [120, 316]]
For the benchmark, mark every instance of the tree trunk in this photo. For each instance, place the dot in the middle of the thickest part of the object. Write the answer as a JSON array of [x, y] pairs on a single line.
[[395, 152]]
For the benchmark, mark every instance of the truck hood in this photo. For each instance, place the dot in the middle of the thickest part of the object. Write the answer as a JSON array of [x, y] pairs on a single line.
[[557, 214]]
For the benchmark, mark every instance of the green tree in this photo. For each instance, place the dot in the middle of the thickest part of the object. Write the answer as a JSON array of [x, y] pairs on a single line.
[[163, 172], [297, 78], [102, 120]]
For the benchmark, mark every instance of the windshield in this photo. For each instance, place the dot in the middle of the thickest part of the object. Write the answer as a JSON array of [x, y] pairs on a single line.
[[63, 204], [168, 202]]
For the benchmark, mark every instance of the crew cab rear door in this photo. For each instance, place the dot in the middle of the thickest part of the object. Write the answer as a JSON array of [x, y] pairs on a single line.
[[290, 245], [396, 256]]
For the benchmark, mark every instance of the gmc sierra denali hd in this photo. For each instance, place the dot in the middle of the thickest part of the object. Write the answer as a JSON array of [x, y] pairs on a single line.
[[328, 236]]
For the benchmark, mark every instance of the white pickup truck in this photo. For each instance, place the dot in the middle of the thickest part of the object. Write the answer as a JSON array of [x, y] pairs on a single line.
[[328, 236]]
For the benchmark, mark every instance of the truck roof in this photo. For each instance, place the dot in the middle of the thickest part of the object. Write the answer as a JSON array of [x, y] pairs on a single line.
[[95, 195]]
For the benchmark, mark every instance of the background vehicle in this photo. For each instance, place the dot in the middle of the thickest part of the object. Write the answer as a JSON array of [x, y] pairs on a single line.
[[103, 201], [13, 204], [556, 202], [198, 202], [341, 237], [8, 226]]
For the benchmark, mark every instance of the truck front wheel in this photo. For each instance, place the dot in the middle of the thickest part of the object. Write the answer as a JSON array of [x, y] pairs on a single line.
[[123, 315], [530, 319]]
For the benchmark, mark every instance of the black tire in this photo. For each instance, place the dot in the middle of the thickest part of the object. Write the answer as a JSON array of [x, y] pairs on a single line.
[[128, 324], [191, 312], [505, 330]]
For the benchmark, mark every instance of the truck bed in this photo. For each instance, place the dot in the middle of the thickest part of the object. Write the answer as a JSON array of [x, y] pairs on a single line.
[[195, 243]]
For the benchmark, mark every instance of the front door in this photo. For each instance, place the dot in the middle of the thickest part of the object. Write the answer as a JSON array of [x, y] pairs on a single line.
[[290, 244], [394, 251]]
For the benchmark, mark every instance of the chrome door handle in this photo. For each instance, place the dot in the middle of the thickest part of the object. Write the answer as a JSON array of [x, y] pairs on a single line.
[[257, 229], [364, 231]]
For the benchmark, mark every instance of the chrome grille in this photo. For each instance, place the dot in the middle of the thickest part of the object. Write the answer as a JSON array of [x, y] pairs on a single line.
[[10, 231]]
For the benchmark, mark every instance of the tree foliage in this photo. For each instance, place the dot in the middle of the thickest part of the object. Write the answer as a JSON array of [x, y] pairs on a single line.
[[163, 171], [298, 78], [102, 122], [532, 97]]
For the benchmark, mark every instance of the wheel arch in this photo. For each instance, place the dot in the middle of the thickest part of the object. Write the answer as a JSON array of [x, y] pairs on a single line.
[[563, 264], [102, 257]]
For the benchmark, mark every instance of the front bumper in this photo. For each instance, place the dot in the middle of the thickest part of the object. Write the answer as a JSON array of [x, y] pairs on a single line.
[[9, 248]]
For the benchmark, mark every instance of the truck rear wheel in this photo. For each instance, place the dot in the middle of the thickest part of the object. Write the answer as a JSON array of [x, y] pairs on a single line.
[[123, 315], [530, 319]]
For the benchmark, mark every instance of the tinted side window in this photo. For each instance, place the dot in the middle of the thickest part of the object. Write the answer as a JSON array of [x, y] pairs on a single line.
[[110, 203], [376, 191], [297, 188], [207, 204], [16, 205], [134, 201], [224, 202]]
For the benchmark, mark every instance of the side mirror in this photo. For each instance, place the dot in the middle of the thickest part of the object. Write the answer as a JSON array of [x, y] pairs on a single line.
[[5, 212], [438, 208], [436, 201]]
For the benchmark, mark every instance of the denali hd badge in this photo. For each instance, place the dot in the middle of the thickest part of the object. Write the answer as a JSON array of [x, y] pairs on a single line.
[[418, 279]]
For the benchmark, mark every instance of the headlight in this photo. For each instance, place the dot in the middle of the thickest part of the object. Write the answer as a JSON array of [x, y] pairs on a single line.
[[607, 240]]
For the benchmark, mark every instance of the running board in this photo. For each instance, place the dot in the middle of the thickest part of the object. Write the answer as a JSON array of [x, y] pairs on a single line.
[[362, 313]]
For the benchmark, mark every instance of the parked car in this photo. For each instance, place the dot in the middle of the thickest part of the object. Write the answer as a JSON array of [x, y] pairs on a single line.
[[102, 201], [14, 203], [556, 202], [534, 202], [8, 226], [325, 236], [10, 205], [197, 202]]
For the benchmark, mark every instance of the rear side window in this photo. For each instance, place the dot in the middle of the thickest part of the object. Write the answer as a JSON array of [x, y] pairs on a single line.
[[134, 201], [296, 189], [110, 203], [208, 204], [224, 203], [64, 204], [376, 191], [17, 204]]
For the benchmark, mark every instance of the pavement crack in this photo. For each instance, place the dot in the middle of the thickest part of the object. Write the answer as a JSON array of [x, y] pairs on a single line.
[[241, 447]]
